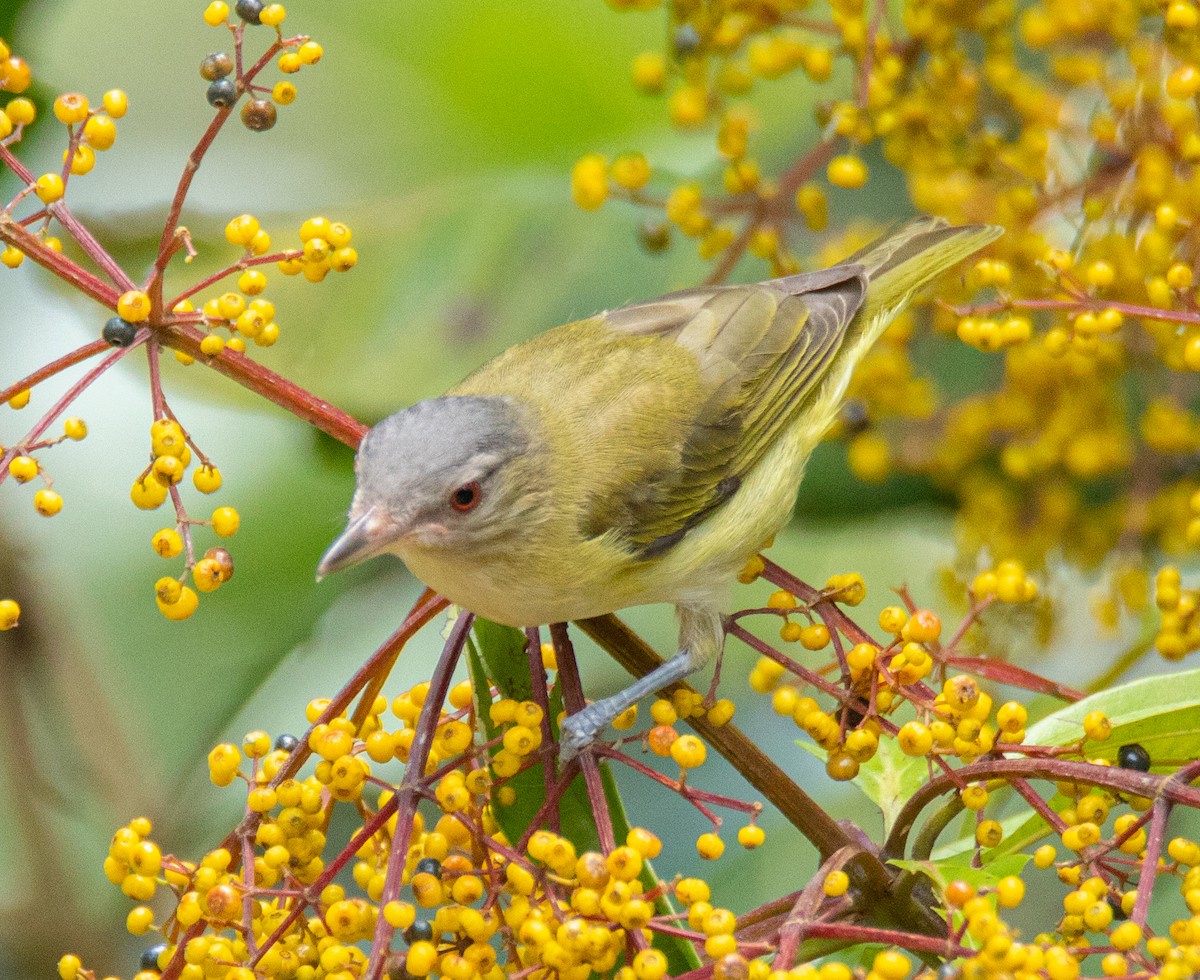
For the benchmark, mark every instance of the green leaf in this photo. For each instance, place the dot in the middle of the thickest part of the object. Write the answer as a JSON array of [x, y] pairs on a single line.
[[492, 644], [496, 655], [502, 649], [888, 779], [941, 873], [1162, 714]]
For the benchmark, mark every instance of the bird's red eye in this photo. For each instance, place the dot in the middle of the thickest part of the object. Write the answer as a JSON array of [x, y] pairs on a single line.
[[465, 497]]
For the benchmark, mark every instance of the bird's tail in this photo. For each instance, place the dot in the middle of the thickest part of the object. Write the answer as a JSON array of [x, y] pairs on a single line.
[[895, 266], [900, 263]]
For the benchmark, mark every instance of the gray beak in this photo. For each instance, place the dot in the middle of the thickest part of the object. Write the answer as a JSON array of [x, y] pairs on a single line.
[[363, 538]]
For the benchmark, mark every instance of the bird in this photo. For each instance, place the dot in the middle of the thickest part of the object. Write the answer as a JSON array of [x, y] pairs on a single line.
[[641, 455]]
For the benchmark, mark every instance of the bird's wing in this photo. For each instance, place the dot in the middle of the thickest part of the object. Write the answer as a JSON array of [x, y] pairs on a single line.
[[761, 351]]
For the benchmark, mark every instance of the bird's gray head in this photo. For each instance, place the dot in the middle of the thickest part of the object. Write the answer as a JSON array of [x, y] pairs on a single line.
[[449, 472]]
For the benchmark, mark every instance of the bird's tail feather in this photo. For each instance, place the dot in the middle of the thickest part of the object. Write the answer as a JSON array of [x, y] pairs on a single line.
[[900, 263], [895, 266]]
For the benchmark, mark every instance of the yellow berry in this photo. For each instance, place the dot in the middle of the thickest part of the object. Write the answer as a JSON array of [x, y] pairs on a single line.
[[273, 14], [71, 108], [10, 614], [1010, 891], [116, 103], [310, 52], [989, 833], [133, 306], [212, 345], [82, 161], [650, 71], [139, 920], [69, 967], [148, 492], [181, 608], [49, 187], [631, 171], [781, 599], [847, 171], [589, 181], [100, 132], [75, 429], [710, 846], [21, 112], [167, 543], [751, 836], [47, 502], [870, 457], [891, 964], [1183, 82], [1126, 936], [23, 468], [216, 13], [689, 106], [1097, 726], [20, 399], [836, 883], [914, 739]]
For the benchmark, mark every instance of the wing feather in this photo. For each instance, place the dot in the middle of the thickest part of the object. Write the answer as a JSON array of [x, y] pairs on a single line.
[[761, 350]]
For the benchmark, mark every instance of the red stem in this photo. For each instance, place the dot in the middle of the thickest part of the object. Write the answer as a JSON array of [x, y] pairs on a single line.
[[408, 795], [76, 356], [70, 272], [60, 406], [263, 381], [573, 701], [541, 696], [66, 217]]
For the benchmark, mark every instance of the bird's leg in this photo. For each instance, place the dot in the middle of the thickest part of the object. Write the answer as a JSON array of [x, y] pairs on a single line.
[[700, 639]]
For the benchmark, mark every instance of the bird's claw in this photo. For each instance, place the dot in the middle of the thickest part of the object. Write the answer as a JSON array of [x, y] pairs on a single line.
[[578, 731]]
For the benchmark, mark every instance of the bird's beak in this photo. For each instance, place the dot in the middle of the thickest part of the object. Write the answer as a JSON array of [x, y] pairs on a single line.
[[364, 537]]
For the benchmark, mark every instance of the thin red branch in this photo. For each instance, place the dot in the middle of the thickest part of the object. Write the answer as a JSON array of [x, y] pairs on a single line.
[[77, 356], [263, 381], [61, 405], [573, 701]]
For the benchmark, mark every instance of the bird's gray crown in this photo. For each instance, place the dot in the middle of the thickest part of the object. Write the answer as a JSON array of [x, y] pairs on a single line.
[[455, 437]]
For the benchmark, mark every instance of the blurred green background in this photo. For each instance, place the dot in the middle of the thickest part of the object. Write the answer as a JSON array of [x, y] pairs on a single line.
[[443, 134]]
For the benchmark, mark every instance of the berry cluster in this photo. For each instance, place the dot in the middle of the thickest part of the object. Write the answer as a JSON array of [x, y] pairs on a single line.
[[217, 333], [1085, 446], [445, 880]]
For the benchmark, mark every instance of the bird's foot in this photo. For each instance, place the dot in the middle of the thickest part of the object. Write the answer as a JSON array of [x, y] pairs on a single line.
[[579, 730]]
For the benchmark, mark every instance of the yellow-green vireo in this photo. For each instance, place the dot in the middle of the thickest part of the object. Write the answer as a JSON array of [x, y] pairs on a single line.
[[642, 455]]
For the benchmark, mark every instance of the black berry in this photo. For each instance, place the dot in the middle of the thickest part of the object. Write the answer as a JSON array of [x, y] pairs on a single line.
[[249, 10], [286, 743], [654, 236], [686, 39], [420, 931], [222, 93], [150, 956], [118, 332], [1133, 756], [429, 866], [854, 416]]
